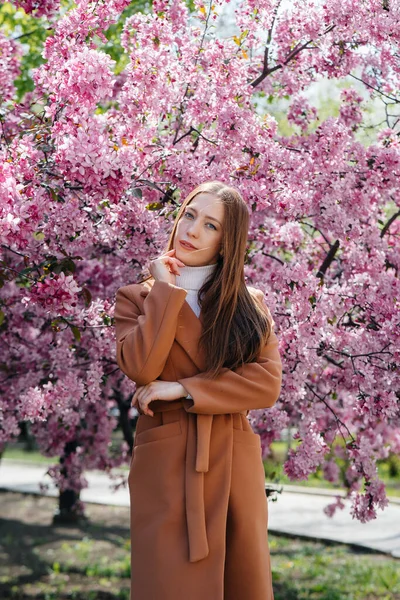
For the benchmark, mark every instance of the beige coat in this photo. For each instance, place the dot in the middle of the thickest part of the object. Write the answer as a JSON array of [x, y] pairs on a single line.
[[198, 505]]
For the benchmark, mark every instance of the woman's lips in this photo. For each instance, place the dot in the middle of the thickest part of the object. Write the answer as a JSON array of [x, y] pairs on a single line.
[[186, 245]]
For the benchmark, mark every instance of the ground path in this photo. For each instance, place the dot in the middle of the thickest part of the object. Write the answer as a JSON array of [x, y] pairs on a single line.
[[297, 511]]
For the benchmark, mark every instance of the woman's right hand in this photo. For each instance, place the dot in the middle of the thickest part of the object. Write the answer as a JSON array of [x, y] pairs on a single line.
[[166, 267]]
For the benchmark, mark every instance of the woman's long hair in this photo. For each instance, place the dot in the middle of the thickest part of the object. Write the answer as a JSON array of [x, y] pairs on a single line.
[[235, 326]]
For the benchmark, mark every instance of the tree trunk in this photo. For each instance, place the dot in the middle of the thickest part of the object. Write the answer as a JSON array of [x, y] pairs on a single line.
[[69, 505]]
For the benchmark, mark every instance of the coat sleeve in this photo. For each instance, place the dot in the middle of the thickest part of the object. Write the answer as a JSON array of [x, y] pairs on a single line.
[[251, 386], [144, 338]]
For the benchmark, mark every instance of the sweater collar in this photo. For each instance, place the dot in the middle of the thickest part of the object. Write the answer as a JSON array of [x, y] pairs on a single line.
[[192, 278]]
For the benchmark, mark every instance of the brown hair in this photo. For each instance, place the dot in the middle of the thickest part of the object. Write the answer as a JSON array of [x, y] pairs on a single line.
[[235, 326]]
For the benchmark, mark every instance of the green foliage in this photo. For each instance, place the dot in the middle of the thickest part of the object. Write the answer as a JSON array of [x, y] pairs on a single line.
[[92, 561], [301, 569], [78, 556], [113, 34], [32, 33], [305, 570]]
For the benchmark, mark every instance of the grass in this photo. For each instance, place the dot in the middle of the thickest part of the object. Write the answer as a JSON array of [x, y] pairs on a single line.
[[304, 570], [39, 560], [91, 561], [17, 453], [33, 456]]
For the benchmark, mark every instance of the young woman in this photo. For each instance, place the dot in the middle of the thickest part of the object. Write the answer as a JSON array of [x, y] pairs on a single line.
[[201, 347]]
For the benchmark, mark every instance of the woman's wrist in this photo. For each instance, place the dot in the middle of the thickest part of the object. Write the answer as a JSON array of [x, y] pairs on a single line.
[[185, 393], [181, 388]]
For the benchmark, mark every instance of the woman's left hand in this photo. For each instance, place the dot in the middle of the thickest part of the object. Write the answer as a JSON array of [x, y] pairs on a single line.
[[156, 390]]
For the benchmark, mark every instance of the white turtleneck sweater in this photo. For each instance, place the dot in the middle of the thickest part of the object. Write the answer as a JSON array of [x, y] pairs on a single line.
[[191, 279]]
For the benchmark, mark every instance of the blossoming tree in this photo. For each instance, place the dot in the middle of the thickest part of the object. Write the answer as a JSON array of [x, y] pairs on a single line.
[[95, 160]]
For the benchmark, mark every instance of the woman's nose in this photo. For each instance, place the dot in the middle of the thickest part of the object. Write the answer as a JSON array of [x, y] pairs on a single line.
[[193, 229]]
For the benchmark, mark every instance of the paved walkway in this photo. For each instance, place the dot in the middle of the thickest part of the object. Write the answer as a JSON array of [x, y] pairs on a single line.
[[296, 511]]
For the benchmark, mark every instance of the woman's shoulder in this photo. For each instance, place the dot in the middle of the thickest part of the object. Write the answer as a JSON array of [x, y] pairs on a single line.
[[132, 290], [259, 297], [255, 292]]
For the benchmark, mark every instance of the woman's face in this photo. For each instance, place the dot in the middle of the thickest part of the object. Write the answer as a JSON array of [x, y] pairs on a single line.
[[201, 227]]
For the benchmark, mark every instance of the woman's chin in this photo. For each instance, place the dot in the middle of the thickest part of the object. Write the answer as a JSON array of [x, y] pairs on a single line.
[[189, 259], [185, 256]]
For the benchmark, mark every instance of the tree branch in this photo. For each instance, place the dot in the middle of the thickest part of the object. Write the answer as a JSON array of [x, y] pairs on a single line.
[[296, 50], [395, 100], [339, 422], [269, 37], [274, 257], [328, 259], [388, 224], [26, 34]]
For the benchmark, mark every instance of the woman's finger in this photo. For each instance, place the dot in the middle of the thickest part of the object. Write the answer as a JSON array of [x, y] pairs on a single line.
[[142, 393], [144, 398], [174, 269], [149, 412], [169, 262], [144, 405], [139, 393], [135, 396], [175, 263], [178, 262]]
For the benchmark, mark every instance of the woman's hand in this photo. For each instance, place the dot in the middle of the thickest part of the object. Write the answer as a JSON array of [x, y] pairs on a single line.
[[166, 267], [156, 390]]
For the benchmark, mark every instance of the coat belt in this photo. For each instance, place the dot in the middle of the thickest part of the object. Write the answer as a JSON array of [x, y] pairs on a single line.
[[196, 464]]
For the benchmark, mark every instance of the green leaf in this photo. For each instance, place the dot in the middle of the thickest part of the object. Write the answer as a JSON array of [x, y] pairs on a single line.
[[137, 193], [154, 206], [87, 296], [76, 332]]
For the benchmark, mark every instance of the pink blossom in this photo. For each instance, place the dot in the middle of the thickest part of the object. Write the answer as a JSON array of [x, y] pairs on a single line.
[[331, 471], [10, 56], [58, 292], [331, 508], [86, 77], [301, 113], [364, 505], [350, 111], [39, 8], [308, 455]]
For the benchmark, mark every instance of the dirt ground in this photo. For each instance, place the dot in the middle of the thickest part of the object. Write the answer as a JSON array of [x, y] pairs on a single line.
[[91, 561], [42, 561]]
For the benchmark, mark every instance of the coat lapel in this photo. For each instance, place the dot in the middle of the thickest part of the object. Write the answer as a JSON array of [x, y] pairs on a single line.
[[188, 332]]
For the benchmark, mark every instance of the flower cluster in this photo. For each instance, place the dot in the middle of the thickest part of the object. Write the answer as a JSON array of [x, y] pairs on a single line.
[[10, 55], [55, 294], [86, 78], [308, 455], [39, 8]]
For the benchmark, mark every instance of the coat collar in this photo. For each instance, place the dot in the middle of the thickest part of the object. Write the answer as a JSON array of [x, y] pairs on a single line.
[[188, 331]]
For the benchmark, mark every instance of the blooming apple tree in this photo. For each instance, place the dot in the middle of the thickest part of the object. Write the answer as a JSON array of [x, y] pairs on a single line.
[[95, 160]]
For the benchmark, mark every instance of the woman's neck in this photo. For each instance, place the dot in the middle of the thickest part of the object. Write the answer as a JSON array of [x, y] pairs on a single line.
[[192, 278]]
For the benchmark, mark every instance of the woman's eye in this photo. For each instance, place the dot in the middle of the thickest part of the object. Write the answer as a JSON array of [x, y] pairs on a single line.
[[190, 216]]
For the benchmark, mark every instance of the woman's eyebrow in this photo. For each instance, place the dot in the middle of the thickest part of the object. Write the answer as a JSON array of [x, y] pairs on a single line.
[[206, 216]]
